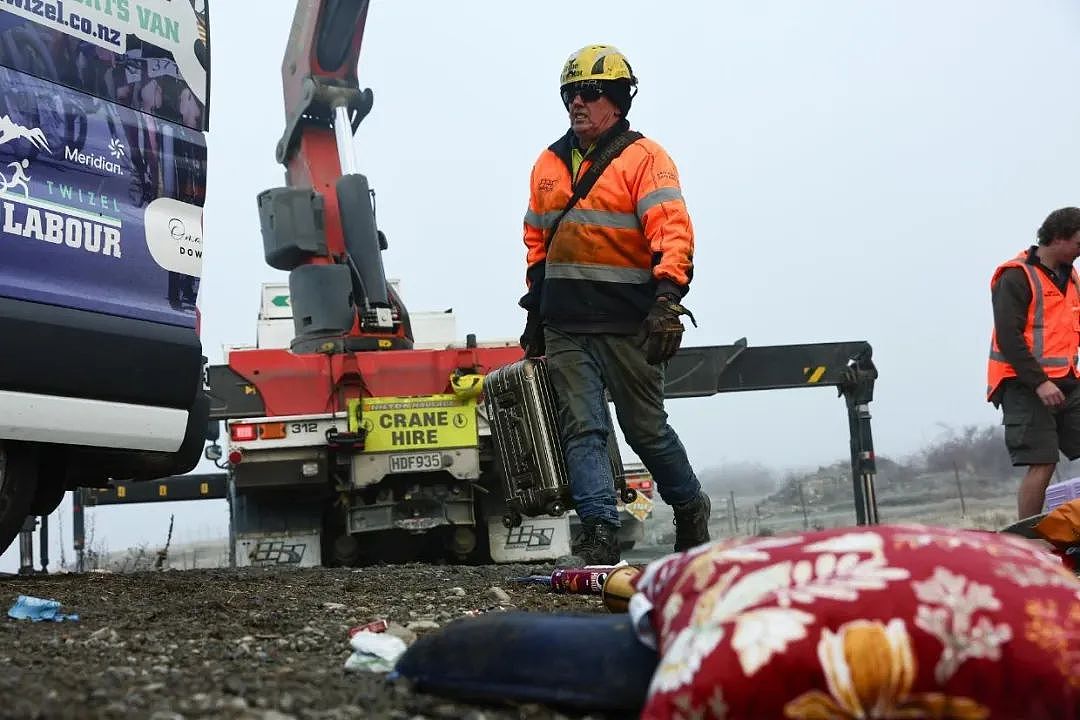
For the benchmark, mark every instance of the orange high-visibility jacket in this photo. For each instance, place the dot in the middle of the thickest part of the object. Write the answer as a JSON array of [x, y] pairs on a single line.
[[629, 240], [1052, 332]]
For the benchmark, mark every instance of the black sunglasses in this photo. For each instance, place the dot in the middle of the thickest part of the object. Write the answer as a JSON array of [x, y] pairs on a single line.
[[589, 90]]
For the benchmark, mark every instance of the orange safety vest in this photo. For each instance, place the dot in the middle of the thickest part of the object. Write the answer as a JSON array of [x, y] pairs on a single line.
[[1052, 331], [628, 237]]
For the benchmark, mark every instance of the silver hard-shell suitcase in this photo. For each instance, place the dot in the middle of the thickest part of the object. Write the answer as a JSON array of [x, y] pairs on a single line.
[[521, 410]]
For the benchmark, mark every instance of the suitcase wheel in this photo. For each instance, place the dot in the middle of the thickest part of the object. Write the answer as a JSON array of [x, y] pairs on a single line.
[[629, 495], [511, 520]]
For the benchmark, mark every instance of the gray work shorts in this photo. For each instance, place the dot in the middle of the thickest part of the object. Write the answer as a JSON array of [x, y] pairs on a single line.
[[1034, 434]]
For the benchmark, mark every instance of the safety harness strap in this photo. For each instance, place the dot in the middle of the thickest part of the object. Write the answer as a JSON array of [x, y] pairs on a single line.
[[603, 158]]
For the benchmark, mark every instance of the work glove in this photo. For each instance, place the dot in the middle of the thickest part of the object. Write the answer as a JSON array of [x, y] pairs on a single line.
[[532, 340], [662, 330]]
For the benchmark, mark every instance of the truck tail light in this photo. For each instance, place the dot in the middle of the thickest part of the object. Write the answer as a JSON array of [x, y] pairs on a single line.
[[243, 432], [247, 432]]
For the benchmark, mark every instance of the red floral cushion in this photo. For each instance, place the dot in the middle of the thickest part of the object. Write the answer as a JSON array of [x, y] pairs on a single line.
[[894, 621]]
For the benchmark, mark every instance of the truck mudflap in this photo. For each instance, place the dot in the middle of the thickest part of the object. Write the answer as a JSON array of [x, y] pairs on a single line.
[[268, 549], [535, 539], [272, 528]]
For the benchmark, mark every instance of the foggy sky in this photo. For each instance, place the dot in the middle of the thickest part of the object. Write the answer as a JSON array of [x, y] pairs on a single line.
[[854, 171]]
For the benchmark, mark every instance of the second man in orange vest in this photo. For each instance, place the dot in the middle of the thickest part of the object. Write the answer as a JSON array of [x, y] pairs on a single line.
[[1032, 370]]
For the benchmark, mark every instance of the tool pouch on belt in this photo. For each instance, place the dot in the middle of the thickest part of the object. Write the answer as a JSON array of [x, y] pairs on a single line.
[[662, 330]]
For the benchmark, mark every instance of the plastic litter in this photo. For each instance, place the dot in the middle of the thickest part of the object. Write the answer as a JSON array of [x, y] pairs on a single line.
[[374, 652], [38, 609], [377, 626]]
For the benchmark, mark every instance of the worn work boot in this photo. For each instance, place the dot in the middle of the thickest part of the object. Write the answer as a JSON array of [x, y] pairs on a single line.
[[692, 522], [598, 544]]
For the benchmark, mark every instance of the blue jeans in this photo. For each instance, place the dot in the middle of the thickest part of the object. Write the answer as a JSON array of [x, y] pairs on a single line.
[[581, 366]]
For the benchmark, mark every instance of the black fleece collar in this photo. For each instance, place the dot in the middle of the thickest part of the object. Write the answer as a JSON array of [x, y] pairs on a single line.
[[566, 144]]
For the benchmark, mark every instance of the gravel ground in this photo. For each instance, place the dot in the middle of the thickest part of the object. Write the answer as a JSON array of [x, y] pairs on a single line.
[[242, 643]]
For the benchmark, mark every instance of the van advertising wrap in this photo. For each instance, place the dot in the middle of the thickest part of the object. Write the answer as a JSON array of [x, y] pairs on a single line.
[[107, 198], [150, 55]]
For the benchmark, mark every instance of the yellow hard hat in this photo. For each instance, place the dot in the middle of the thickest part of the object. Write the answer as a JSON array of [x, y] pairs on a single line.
[[597, 62]]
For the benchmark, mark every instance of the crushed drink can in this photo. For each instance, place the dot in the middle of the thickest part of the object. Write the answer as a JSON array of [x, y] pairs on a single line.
[[584, 580]]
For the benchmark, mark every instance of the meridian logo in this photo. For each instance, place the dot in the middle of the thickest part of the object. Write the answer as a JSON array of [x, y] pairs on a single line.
[[90, 160]]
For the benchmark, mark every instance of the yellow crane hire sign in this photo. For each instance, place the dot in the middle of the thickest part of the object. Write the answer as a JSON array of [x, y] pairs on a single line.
[[397, 424]]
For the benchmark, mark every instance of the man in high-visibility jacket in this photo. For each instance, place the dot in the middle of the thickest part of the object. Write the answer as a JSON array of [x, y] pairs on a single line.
[[1032, 370], [605, 286]]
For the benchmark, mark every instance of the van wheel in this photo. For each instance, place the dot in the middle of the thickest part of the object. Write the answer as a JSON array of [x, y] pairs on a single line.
[[18, 482]]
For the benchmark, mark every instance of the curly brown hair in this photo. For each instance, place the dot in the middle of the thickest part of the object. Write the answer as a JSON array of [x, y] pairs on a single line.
[[1062, 223]]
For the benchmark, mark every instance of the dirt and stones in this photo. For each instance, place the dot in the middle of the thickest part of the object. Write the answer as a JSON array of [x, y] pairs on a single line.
[[242, 643]]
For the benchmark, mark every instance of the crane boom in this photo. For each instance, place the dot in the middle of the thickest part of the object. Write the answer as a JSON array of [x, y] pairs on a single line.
[[321, 226]]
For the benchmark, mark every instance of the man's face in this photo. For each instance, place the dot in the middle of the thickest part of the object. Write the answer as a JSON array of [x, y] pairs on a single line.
[[1070, 248], [590, 117]]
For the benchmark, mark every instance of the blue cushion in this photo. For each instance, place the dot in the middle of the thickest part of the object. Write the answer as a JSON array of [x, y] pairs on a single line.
[[584, 661]]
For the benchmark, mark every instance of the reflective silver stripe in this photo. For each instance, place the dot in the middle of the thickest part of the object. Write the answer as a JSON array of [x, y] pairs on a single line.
[[1038, 342], [656, 197], [600, 218], [603, 218], [602, 273], [1043, 361], [1038, 328], [541, 221]]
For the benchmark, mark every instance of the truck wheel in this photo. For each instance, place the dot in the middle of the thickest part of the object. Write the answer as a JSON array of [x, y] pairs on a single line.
[[18, 481], [345, 551]]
